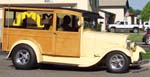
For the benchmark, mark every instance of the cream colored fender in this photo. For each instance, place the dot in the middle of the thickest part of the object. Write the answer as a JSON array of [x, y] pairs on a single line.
[[123, 50], [99, 56], [135, 56], [35, 47]]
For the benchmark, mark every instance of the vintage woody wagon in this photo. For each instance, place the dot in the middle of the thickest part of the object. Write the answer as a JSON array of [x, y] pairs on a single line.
[[60, 36]]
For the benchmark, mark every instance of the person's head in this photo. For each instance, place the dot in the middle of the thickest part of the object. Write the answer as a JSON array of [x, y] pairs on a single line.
[[67, 19]]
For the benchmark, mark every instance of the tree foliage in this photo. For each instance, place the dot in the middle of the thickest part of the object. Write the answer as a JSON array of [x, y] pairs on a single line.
[[134, 11], [145, 14], [137, 12], [131, 10]]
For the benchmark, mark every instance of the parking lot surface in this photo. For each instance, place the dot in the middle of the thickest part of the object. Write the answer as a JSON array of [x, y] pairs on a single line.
[[7, 70]]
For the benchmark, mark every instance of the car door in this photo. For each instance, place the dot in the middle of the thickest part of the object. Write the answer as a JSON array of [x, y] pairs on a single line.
[[121, 25], [67, 39]]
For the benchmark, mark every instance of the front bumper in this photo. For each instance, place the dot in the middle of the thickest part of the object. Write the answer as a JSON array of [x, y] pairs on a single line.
[[136, 55], [139, 62]]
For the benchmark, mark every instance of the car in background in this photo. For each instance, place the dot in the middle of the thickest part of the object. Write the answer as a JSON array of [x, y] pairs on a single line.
[[123, 25], [146, 37], [146, 25]]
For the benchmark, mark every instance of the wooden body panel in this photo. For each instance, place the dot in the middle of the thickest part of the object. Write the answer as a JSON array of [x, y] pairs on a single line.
[[51, 42], [59, 43], [68, 43], [44, 39]]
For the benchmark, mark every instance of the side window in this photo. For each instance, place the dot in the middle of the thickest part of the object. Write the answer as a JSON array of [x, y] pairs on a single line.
[[67, 23], [9, 17], [89, 23], [28, 19], [121, 23], [146, 23], [47, 20]]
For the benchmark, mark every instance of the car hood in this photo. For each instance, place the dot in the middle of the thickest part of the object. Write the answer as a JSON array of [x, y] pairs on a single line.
[[103, 37], [98, 42]]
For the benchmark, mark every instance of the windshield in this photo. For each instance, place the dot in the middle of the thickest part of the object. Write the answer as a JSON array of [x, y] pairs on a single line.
[[91, 24]]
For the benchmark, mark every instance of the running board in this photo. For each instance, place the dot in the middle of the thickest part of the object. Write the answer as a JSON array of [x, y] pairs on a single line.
[[80, 62]]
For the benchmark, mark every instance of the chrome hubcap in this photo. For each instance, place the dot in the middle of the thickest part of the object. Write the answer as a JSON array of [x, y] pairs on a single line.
[[135, 30], [148, 40], [117, 61], [22, 57], [112, 30]]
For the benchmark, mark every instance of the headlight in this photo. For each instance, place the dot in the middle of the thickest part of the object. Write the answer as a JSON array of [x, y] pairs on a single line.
[[128, 43], [133, 46]]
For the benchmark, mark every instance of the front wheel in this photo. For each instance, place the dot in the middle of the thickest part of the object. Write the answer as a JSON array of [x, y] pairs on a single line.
[[135, 30], [23, 57], [117, 62], [147, 40]]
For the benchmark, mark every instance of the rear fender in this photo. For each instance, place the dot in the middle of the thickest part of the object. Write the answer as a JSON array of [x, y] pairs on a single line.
[[34, 46]]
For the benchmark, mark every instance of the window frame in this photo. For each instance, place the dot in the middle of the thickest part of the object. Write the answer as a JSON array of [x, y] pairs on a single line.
[[71, 23], [14, 10]]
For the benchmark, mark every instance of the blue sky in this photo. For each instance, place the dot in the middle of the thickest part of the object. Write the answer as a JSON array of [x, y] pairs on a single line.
[[138, 4]]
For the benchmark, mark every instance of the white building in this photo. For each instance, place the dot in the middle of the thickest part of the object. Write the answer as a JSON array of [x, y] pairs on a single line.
[[89, 5], [112, 11]]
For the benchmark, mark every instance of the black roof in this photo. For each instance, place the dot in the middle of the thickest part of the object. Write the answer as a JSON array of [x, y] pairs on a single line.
[[84, 12]]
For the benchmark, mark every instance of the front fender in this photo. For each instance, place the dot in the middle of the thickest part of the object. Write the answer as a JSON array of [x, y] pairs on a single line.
[[123, 50], [136, 53], [99, 55], [35, 47]]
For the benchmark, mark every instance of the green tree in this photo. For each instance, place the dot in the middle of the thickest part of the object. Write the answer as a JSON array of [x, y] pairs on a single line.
[[134, 11], [131, 10], [137, 12], [145, 14]]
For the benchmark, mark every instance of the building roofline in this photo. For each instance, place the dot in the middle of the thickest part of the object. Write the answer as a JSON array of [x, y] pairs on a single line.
[[40, 5], [115, 3], [106, 12]]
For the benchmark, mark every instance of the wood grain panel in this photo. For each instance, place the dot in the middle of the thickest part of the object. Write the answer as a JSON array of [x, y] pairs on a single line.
[[68, 44], [42, 38]]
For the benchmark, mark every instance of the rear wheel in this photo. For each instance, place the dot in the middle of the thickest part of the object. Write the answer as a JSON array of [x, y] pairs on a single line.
[[23, 57], [112, 30], [135, 30], [117, 62]]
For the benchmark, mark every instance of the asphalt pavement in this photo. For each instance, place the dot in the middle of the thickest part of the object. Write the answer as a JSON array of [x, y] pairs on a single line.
[[48, 70]]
